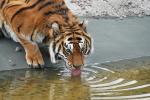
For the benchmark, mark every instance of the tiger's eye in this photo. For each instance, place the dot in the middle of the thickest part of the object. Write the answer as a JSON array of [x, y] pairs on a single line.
[[70, 39], [68, 50], [78, 38]]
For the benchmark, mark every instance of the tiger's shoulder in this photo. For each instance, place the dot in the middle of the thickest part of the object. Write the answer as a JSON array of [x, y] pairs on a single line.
[[35, 16]]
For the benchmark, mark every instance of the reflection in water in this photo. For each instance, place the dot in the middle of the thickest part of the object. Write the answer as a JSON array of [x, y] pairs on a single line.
[[96, 83], [30, 84]]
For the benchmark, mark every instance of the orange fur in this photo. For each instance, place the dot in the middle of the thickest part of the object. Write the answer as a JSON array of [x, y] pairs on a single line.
[[33, 19]]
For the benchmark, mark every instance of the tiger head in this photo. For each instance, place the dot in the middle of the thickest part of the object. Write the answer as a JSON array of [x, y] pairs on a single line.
[[70, 43]]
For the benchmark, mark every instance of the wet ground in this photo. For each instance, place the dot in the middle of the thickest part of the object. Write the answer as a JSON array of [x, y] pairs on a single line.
[[118, 69]]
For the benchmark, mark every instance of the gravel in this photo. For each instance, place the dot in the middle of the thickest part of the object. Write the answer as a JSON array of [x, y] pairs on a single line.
[[110, 8]]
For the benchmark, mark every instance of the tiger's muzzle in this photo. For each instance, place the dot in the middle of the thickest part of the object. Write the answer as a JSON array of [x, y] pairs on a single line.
[[76, 58]]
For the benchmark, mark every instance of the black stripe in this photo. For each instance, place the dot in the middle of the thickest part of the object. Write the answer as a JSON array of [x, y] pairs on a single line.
[[90, 46], [25, 8], [86, 46], [62, 43], [52, 3], [59, 48], [65, 52], [59, 4], [89, 50], [18, 28], [77, 33], [60, 11], [87, 37], [88, 42], [45, 5], [1, 33], [32, 34], [68, 34], [46, 39], [66, 17], [76, 29], [2, 4], [59, 39]]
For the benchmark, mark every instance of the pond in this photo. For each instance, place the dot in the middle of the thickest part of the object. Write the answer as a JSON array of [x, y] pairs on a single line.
[[118, 69]]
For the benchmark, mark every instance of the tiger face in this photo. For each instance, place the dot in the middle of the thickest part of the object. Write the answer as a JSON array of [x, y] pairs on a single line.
[[71, 44]]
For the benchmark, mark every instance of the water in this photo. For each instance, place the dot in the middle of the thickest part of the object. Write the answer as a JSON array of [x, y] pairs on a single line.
[[96, 83], [101, 78], [119, 39]]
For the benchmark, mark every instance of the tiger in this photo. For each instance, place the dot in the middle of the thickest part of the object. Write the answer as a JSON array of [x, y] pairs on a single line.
[[50, 22]]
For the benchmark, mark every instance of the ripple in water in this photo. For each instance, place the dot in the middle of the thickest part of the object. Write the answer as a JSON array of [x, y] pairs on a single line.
[[103, 85], [96, 83]]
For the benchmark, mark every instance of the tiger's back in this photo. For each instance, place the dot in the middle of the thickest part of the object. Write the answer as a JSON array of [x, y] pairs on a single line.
[[8, 3], [4, 4], [28, 16]]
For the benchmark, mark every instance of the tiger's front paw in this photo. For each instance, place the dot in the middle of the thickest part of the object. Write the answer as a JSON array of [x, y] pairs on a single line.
[[35, 60]]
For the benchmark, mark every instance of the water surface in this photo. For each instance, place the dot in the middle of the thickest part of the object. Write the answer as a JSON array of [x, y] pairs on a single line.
[[96, 83], [116, 39]]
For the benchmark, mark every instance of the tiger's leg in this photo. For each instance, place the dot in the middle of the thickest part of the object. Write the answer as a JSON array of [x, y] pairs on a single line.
[[33, 55], [1, 32]]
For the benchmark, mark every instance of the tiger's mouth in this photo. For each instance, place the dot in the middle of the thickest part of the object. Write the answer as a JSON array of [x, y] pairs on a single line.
[[74, 60]]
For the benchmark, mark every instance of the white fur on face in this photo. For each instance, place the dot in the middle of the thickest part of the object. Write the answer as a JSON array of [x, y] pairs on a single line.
[[81, 44], [69, 45]]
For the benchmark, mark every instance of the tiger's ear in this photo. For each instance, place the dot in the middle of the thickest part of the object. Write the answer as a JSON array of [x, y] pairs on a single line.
[[56, 29], [83, 25]]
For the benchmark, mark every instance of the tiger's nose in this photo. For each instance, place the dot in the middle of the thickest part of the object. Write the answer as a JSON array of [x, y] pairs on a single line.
[[77, 65], [78, 60]]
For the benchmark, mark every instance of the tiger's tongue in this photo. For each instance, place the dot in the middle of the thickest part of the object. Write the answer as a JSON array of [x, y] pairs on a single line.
[[76, 72]]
